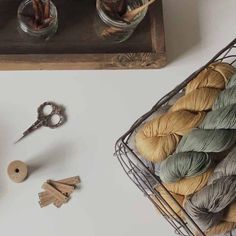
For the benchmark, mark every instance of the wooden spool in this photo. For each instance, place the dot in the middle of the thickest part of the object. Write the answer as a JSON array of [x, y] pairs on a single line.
[[17, 171]]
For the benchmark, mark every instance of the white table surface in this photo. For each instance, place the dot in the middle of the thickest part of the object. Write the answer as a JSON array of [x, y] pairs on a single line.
[[101, 106]]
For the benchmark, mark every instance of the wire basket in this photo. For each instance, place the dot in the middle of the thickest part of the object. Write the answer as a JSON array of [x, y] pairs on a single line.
[[142, 172]]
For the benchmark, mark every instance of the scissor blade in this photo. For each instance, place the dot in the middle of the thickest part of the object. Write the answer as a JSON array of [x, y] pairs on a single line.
[[37, 124], [19, 140]]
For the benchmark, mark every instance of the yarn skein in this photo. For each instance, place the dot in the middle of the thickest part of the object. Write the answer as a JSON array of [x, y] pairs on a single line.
[[188, 186], [216, 140], [221, 228], [226, 167], [226, 97], [222, 118], [159, 138], [208, 206], [216, 201], [214, 76], [232, 82], [170, 202], [158, 147], [202, 100], [186, 164]]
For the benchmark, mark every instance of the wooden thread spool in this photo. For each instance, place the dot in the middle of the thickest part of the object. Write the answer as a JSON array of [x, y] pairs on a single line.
[[17, 171]]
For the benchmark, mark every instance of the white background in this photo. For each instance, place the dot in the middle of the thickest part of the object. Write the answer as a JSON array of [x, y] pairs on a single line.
[[101, 105]]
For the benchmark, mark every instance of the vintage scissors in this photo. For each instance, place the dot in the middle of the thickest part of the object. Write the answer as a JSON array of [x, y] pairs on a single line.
[[46, 120]]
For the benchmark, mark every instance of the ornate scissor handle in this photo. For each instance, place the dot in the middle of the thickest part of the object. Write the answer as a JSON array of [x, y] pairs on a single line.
[[47, 119]]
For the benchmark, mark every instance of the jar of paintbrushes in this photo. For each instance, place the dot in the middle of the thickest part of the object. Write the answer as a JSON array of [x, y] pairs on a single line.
[[116, 20], [37, 19]]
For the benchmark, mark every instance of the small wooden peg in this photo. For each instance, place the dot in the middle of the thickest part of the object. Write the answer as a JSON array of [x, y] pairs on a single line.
[[63, 188], [57, 203], [70, 181], [58, 195], [46, 199]]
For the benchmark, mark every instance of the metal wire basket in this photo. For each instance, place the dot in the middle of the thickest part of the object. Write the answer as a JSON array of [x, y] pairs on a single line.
[[142, 172]]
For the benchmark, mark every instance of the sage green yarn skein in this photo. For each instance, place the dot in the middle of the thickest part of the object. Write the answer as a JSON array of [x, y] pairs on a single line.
[[232, 82], [185, 164], [225, 98], [223, 118], [200, 140]]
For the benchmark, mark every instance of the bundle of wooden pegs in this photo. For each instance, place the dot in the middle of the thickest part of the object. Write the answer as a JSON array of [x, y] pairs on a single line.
[[57, 192]]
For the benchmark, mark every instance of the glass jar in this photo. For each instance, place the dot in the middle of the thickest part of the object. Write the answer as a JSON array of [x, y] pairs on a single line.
[[113, 30], [26, 27]]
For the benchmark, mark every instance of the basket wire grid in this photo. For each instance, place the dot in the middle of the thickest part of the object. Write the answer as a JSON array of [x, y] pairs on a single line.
[[137, 169]]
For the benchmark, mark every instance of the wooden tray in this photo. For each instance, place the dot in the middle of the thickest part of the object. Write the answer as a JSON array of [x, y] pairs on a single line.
[[76, 46]]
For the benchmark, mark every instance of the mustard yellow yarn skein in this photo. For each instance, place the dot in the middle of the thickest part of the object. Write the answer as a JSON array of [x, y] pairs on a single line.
[[189, 185], [230, 215], [214, 76], [179, 198], [200, 99], [222, 228], [159, 137]]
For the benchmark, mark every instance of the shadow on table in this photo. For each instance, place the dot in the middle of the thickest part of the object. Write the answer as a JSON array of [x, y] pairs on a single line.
[[55, 156], [182, 27]]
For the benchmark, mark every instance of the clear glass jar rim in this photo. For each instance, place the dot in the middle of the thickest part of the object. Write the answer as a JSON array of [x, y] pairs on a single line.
[[119, 24], [22, 5]]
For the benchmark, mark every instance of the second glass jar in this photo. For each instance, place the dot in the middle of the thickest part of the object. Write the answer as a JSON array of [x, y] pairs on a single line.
[[116, 31]]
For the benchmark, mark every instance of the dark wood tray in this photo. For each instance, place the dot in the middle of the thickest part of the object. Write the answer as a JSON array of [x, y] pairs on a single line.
[[76, 46]]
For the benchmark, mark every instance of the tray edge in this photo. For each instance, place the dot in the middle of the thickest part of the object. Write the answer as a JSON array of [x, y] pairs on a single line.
[[82, 61]]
